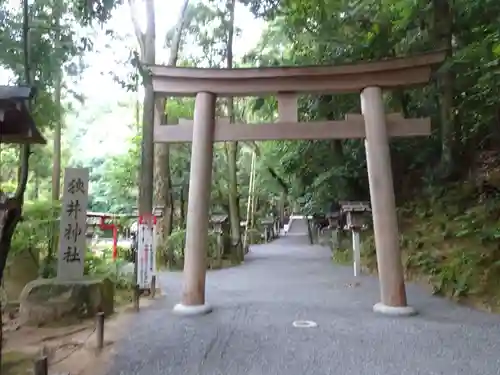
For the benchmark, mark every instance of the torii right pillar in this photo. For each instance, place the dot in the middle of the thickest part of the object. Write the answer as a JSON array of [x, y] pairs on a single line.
[[385, 222]]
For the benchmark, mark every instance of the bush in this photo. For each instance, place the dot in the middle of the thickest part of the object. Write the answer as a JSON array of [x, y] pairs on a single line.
[[35, 232], [172, 253], [254, 236], [104, 266], [36, 227], [450, 241]]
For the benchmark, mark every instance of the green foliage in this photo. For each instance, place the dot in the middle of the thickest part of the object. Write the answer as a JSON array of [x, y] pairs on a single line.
[[338, 33], [255, 236], [342, 254], [451, 241], [175, 246], [35, 230], [104, 266]]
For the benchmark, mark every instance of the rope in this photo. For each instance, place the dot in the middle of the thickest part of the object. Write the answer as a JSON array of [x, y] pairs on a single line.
[[75, 349]]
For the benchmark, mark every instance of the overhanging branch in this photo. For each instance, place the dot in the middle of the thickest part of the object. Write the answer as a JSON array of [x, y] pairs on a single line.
[[271, 170]]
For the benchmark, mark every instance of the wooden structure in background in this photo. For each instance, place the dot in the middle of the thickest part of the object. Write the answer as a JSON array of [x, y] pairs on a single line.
[[367, 78], [16, 123], [17, 126]]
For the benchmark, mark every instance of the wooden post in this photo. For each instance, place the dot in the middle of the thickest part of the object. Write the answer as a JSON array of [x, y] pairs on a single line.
[[41, 366], [99, 322], [195, 256], [153, 286], [390, 268], [309, 230], [356, 253], [335, 239]]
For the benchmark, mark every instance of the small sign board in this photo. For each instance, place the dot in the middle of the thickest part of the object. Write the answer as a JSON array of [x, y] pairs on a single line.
[[146, 251], [73, 224]]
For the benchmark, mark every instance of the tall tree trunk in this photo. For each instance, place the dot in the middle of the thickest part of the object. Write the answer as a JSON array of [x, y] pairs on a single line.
[[163, 181], [282, 206], [232, 152], [56, 171], [147, 47], [248, 228], [182, 208], [443, 34]]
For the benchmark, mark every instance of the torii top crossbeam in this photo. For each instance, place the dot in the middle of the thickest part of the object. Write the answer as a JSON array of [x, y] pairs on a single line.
[[390, 73]]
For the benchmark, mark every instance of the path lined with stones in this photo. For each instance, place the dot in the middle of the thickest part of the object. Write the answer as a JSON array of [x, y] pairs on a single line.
[[250, 331]]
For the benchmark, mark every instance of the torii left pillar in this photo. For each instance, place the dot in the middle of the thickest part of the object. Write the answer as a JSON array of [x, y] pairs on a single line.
[[200, 181]]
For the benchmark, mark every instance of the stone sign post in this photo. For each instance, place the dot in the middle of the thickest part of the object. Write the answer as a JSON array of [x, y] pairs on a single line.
[[73, 224]]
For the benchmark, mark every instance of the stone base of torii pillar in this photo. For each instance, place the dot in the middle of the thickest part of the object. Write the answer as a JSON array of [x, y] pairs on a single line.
[[394, 310], [191, 310]]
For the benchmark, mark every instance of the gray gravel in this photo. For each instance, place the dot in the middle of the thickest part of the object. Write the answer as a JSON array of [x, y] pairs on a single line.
[[250, 331]]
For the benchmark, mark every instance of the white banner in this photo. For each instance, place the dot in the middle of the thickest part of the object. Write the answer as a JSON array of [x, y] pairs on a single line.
[[146, 252], [153, 253], [73, 224]]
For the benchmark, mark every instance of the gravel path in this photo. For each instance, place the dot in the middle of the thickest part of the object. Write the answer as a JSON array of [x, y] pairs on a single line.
[[250, 331]]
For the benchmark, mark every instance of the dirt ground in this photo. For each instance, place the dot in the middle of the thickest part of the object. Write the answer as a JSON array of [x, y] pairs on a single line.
[[70, 350]]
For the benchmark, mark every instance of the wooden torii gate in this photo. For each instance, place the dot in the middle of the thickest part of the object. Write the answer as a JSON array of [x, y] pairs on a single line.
[[367, 78]]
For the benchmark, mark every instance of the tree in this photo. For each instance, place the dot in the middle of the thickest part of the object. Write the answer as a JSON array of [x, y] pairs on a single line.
[[231, 148], [163, 180], [147, 49], [146, 41]]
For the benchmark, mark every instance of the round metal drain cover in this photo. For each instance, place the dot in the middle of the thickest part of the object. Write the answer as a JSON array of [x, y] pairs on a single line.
[[304, 324]]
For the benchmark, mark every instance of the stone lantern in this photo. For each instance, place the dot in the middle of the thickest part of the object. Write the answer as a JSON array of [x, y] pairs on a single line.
[[269, 224], [355, 221], [221, 227]]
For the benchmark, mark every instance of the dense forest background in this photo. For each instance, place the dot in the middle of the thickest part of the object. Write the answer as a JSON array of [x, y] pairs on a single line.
[[446, 184]]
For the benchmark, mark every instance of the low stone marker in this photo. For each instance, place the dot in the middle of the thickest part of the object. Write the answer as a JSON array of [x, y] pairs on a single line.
[[45, 301]]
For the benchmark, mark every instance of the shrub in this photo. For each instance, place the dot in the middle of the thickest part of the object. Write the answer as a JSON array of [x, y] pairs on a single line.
[[35, 230], [171, 254], [104, 266]]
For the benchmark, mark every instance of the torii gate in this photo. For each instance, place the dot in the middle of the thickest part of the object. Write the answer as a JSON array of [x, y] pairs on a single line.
[[368, 78]]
